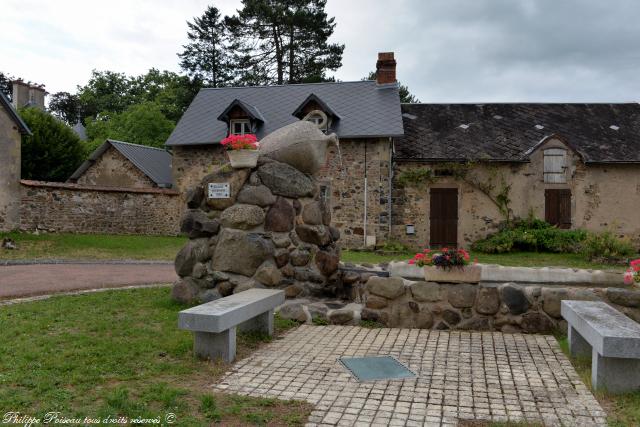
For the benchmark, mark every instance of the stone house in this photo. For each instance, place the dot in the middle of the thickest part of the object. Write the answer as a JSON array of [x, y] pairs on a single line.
[[125, 165], [574, 165], [12, 127], [365, 115]]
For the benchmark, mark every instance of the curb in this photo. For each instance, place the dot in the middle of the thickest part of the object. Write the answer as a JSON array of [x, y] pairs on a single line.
[[79, 292]]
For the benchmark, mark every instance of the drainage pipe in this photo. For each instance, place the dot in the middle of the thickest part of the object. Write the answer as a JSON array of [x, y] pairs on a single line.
[[365, 196]]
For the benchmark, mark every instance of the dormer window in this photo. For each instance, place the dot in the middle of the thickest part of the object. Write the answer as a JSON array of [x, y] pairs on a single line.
[[316, 111], [242, 118], [239, 126]]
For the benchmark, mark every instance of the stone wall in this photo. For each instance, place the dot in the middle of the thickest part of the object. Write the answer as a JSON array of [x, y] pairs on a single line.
[[76, 208], [343, 181], [9, 173], [273, 230], [396, 302], [346, 184], [602, 197], [112, 169]]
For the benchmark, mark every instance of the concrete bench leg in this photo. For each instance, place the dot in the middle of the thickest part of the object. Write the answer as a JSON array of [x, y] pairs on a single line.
[[615, 375], [262, 323], [208, 345], [578, 346]]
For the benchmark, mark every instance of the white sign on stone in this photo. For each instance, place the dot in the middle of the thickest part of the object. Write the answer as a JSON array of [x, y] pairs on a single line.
[[219, 190]]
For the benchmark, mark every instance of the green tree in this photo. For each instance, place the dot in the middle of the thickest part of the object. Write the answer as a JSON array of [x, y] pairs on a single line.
[[172, 92], [207, 55], [66, 106], [53, 151], [6, 86], [142, 124], [105, 91], [406, 97], [283, 41]]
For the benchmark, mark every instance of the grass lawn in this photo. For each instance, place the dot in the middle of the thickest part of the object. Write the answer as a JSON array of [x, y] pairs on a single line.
[[119, 353], [623, 410], [92, 246], [523, 259], [100, 246]]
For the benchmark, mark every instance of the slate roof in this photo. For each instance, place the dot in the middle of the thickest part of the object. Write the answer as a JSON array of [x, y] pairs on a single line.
[[365, 108], [153, 162], [13, 114], [510, 132]]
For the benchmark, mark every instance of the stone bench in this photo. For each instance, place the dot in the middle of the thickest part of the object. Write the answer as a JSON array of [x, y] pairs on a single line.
[[610, 338], [214, 324]]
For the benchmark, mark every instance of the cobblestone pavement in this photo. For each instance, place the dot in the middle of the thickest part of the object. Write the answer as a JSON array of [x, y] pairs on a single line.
[[485, 376]]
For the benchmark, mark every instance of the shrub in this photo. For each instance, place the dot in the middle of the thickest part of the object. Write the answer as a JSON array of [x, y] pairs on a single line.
[[531, 235], [607, 245]]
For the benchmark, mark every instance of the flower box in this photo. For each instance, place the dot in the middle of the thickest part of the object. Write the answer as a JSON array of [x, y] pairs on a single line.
[[466, 274], [243, 158]]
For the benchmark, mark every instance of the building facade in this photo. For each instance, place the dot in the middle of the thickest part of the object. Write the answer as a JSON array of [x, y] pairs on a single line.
[[11, 130]]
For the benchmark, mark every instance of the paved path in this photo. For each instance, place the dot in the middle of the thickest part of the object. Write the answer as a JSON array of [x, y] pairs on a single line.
[[17, 281], [483, 376]]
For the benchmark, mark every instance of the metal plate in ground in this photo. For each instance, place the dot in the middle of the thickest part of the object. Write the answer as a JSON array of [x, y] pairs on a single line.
[[375, 368]]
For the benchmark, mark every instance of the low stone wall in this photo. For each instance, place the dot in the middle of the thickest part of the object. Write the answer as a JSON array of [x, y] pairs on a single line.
[[508, 307], [75, 208]]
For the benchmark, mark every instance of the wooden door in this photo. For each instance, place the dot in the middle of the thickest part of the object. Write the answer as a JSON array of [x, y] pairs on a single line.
[[557, 207], [443, 217]]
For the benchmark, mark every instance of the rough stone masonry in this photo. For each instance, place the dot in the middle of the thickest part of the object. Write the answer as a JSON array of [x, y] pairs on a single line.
[[274, 230]]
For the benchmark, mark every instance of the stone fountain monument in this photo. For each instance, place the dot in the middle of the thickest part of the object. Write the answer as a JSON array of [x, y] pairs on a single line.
[[268, 226]]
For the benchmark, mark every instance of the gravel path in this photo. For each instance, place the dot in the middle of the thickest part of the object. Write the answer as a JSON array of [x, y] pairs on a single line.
[[18, 281]]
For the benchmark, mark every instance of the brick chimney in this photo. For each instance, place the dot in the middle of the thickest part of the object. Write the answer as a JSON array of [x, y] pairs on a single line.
[[385, 68]]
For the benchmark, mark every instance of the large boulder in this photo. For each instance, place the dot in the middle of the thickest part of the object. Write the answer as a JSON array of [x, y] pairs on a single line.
[[225, 174], [552, 300], [316, 234], [462, 295], [195, 223], [285, 180], [327, 262], [241, 252], [192, 252], [624, 297], [514, 298], [280, 217], [410, 315], [194, 197], [256, 195], [268, 274], [242, 216], [487, 300], [312, 213], [427, 291], [387, 287], [185, 291], [300, 144], [299, 257]]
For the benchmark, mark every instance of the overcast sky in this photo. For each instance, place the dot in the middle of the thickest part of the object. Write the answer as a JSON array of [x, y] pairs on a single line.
[[447, 50]]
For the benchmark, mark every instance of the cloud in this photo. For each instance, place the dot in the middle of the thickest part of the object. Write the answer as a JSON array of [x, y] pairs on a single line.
[[447, 50]]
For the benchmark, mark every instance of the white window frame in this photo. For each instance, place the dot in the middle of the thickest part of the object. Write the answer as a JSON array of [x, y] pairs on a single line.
[[245, 126], [555, 165]]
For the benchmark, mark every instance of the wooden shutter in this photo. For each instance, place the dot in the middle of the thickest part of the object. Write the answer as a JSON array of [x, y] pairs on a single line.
[[557, 207]]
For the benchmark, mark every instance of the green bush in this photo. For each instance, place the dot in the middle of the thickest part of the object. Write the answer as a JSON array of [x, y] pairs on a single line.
[[607, 245], [531, 235]]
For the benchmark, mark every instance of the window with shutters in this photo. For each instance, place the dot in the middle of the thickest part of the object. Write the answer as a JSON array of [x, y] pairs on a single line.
[[555, 164], [557, 207]]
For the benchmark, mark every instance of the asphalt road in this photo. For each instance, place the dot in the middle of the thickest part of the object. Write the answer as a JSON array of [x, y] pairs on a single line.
[[18, 281]]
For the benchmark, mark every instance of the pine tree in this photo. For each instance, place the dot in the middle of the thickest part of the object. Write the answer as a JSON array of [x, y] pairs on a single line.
[[283, 41], [207, 56]]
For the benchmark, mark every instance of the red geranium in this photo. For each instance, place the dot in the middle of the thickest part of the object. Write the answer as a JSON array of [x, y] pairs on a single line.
[[445, 258], [241, 142]]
